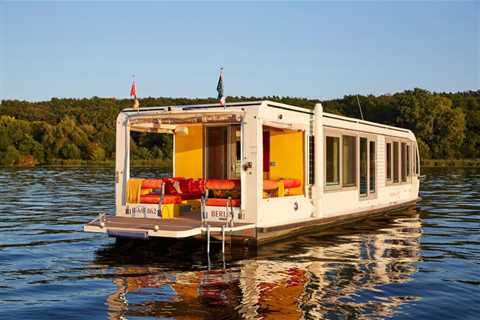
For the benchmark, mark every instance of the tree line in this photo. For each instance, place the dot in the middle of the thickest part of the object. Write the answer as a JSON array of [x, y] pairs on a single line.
[[447, 125]]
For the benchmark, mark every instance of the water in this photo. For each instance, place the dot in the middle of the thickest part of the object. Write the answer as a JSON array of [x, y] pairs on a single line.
[[419, 264]]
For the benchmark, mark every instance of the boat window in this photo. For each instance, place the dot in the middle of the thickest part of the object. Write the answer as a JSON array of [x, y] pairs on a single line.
[[395, 162], [404, 161], [349, 168], [408, 160], [414, 158], [389, 161], [333, 160], [363, 167], [372, 160], [416, 161]]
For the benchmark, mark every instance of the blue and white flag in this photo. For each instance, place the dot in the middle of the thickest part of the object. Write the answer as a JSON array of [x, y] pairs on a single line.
[[221, 96]]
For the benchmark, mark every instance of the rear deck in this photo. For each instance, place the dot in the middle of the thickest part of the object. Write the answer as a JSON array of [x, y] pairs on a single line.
[[187, 225]]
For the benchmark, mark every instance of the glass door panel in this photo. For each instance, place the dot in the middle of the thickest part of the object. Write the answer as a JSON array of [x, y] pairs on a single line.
[[216, 152], [234, 151], [372, 167], [363, 167]]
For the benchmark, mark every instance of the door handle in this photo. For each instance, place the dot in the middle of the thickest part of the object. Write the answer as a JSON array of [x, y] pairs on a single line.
[[247, 165]]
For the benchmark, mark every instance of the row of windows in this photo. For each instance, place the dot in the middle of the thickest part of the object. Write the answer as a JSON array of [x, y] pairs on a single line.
[[400, 161], [341, 162]]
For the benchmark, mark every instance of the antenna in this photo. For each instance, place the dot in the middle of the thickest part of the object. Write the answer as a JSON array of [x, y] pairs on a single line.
[[359, 107]]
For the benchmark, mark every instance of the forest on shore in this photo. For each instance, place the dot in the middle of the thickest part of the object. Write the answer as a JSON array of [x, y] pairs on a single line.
[[447, 125]]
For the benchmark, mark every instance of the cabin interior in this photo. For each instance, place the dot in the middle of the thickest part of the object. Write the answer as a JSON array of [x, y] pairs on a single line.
[[207, 160]]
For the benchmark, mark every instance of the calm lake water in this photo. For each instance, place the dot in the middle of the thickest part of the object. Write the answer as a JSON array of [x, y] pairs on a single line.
[[419, 264]]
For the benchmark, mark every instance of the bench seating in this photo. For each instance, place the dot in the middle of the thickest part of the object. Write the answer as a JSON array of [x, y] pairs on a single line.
[[222, 202], [155, 199], [180, 189]]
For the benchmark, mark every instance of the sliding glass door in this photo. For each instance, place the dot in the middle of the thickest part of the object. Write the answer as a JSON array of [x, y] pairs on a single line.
[[216, 152], [222, 152]]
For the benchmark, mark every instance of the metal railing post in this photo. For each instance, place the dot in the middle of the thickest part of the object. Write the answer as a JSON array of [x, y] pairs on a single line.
[[223, 239], [208, 239]]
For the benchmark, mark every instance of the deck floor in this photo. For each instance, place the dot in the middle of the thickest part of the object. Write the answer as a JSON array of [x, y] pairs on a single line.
[[183, 223]]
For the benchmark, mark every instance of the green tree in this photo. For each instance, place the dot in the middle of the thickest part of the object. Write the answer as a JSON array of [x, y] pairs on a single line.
[[96, 152], [10, 156], [70, 151]]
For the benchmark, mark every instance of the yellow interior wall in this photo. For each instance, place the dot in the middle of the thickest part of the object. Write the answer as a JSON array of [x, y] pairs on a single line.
[[287, 151], [189, 153]]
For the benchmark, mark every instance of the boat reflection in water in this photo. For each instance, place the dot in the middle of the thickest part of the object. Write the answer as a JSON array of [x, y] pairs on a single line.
[[355, 272]]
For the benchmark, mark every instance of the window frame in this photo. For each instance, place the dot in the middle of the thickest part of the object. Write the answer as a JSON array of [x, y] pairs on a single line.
[[363, 195], [334, 134], [403, 162], [373, 194], [356, 157], [338, 132], [409, 152], [370, 138], [408, 164], [388, 170], [339, 163]]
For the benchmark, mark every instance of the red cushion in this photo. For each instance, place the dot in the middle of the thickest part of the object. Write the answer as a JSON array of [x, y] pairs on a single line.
[[270, 185], [220, 202], [190, 196], [221, 184], [169, 188], [155, 198], [185, 185], [291, 183], [152, 183], [196, 186]]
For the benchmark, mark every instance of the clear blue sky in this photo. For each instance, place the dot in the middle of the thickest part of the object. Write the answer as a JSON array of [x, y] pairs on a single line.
[[321, 50]]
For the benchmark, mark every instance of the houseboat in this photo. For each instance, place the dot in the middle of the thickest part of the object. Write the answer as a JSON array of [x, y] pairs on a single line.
[[259, 171]]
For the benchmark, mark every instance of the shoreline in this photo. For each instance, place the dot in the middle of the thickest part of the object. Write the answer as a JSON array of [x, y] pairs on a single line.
[[454, 163], [90, 163], [427, 163]]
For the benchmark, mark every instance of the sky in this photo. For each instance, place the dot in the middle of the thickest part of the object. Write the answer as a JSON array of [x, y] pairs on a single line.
[[319, 50]]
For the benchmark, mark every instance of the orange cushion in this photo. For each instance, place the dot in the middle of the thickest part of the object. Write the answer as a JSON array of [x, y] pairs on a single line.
[[270, 185], [220, 184], [152, 183], [291, 183], [220, 202], [155, 198]]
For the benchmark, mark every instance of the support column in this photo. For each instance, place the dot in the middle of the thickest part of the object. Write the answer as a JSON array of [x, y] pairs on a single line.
[[319, 165], [122, 163]]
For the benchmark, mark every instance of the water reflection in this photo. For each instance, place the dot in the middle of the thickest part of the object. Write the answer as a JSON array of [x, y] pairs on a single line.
[[353, 274]]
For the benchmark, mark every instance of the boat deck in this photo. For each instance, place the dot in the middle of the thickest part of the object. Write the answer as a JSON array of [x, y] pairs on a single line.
[[187, 225]]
